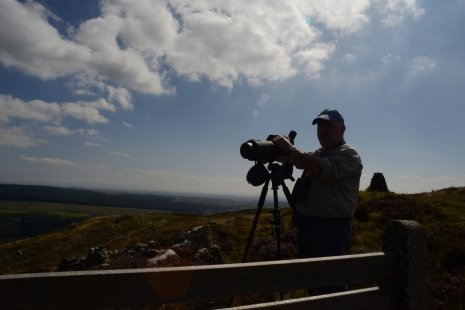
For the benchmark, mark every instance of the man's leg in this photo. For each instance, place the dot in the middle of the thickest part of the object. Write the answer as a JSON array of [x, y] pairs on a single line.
[[319, 237]]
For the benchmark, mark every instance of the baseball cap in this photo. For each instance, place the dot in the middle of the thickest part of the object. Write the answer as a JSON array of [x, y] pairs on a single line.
[[329, 115]]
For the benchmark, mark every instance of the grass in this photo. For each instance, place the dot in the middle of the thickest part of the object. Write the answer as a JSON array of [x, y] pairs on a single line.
[[25, 219], [441, 213], [118, 231], [8, 208]]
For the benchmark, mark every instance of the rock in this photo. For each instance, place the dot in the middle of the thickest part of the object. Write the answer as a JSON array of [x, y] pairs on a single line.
[[97, 255], [152, 244], [164, 257], [209, 256], [72, 264], [151, 253], [378, 183], [198, 237], [183, 249], [193, 247]]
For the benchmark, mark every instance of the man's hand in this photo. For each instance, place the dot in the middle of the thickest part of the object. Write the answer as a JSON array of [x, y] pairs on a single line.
[[283, 144], [296, 157]]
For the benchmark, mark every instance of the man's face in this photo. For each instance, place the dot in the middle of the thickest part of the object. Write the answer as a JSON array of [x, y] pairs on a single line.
[[330, 133]]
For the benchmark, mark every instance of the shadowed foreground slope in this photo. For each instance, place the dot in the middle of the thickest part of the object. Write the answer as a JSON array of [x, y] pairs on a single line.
[[442, 214]]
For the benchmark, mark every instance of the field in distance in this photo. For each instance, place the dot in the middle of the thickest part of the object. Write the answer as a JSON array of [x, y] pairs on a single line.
[[29, 210], [20, 220]]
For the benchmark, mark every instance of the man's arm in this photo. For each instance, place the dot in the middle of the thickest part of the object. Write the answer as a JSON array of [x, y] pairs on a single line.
[[299, 159]]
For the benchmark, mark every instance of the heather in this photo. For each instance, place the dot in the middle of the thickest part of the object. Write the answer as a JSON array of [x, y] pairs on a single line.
[[441, 213]]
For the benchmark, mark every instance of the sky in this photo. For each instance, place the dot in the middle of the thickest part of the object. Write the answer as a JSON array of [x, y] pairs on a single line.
[[159, 95]]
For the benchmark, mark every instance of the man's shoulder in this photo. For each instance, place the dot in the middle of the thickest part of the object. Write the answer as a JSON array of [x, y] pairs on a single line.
[[346, 146], [348, 149], [343, 148]]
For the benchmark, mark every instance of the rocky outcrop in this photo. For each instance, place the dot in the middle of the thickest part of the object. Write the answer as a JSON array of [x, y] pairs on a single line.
[[378, 183], [198, 245], [96, 256], [193, 247]]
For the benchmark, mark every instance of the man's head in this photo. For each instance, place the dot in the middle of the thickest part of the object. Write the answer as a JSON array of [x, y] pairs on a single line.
[[330, 128]]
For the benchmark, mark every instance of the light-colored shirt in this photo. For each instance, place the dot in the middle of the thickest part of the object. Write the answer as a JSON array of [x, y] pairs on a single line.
[[335, 192]]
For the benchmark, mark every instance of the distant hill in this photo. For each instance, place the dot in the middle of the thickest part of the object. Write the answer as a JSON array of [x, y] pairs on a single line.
[[188, 204]]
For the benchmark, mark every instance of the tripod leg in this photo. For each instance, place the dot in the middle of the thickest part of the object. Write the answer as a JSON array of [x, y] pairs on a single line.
[[277, 221], [260, 204], [287, 193]]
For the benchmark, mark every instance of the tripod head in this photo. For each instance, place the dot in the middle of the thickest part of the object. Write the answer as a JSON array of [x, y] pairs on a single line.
[[259, 174]]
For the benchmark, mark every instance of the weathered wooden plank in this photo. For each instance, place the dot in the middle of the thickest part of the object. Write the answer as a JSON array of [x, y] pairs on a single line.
[[362, 299], [119, 288], [399, 272]]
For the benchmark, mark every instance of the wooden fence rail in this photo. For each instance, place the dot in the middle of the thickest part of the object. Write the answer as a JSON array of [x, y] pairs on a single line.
[[396, 276]]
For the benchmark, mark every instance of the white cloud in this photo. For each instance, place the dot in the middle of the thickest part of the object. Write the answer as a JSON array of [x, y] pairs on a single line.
[[89, 85], [49, 115], [63, 131], [59, 163], [57, 131], [48, 161], [350, 58], [91, 144], [393, 12], [19, 137], [389, 58], [120, 154], [82, 112], [236, 41], [30, 43], [86, 132], [138, 44], [263, 100], [122, 96], [421, 65], [52, 112], [35, 110], [36, 48], [126, 124], [338, 15], [312, 60]]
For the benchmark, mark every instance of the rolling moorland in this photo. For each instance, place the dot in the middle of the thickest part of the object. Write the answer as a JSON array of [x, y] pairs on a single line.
[[173, 203], [28, 210], [441, 213]]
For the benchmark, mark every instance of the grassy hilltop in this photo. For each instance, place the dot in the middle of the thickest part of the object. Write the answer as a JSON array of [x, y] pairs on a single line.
[[441, 213]]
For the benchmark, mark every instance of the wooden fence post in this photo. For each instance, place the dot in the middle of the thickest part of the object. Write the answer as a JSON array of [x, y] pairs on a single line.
[[408, 240]]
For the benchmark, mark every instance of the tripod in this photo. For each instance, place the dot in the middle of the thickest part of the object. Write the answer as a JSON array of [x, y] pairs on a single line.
[[277, 175]]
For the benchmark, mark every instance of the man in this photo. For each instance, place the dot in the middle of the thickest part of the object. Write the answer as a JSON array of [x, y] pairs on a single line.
[[325, 196]]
